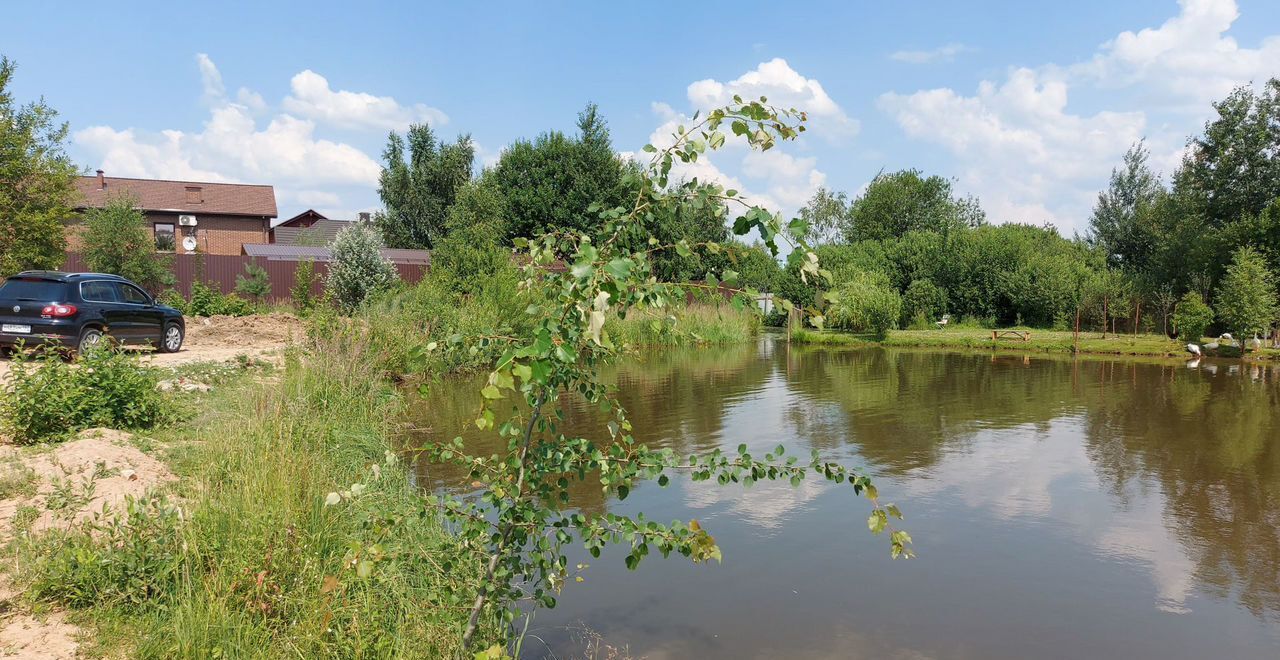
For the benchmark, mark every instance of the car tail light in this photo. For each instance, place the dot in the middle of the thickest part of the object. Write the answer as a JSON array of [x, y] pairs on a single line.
[[58, 311]]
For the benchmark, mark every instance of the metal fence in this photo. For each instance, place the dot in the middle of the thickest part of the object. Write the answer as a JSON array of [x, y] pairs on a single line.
[[220, 271]]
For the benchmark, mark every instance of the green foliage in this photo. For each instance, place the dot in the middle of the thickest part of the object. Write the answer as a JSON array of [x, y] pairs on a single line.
[[522, 513], [254, 283], [1246, 300], [117, 241], [549, 182], [827, 214], [131, 561], [418, 187], [904, 201], [1192, 317], [36, 182], [1123, 223], [47, 398], [304, 279], [924, 299], [356, 267], [865, 303], [256, 565], [694, 324], [208, 300]]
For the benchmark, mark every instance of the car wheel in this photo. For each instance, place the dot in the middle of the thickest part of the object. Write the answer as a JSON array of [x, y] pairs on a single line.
[[89, 338], [172, 339]]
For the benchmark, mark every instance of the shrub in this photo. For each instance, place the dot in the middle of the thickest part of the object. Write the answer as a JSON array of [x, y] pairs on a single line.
[[130, 561], [357, 269], [116, 240], [1192, 317], [49, 399], [924, 299], [254, 283], [208, 301], [1246, 298], [304, 279], [865, 303]]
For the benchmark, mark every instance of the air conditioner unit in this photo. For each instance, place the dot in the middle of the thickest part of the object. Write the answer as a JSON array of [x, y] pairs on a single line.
[[187, 220]]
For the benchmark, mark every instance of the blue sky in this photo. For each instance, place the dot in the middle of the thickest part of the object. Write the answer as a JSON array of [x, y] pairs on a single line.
[[1025, 104]]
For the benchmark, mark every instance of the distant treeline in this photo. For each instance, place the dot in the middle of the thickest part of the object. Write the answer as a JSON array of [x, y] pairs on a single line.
[[908, 249]]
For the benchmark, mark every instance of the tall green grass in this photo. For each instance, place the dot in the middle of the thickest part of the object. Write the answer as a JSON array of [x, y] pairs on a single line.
[[263, 566], [697, 323]]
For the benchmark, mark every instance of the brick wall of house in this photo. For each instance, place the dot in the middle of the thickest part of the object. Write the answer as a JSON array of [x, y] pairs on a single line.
[[214, 234]]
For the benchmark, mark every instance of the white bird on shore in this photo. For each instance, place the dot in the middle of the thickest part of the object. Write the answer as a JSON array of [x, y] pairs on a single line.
[[1256, 342], [1193, 349]]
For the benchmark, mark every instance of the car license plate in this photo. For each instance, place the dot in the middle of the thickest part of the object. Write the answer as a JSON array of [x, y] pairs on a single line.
[[16, 329]]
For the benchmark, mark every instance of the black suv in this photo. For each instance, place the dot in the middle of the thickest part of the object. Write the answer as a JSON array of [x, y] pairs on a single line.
[[77, 310]]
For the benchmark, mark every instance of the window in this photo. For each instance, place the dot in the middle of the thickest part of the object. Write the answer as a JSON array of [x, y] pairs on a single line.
[[193, 195], [166, 240], [34, 290], [132, 294], [98, 291]]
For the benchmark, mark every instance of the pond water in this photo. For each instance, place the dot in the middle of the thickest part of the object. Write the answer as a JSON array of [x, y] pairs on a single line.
[[1060, 508]]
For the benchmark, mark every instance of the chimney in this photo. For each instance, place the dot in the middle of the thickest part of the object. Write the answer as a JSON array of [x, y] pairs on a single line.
[[102, 181], [364, 216]]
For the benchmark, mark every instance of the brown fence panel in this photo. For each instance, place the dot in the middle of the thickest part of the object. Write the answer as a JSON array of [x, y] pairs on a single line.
[[220, 271]]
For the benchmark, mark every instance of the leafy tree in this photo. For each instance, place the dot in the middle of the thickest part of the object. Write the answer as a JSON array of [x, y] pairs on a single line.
[[549, 182], [304, 279], [1233, 166], [356, 267], [472, 251], [899, 202], [923, 301], [865, 303], [117, 241], [1192, 317], [827, 213], [1246, 300], [522, 513], [418, 188], [36, 182], [1123, 220], [255, 283]]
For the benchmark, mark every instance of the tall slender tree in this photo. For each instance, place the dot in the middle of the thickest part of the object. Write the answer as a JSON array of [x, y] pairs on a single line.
[[419, 183], [36, 182]]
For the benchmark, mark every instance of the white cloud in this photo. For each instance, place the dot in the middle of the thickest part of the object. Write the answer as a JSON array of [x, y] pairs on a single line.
[[785, 88], [1018, 145], [1030, 158], [776, 179], [1189, 57], [945, 53], [312, 97], [233, 146]]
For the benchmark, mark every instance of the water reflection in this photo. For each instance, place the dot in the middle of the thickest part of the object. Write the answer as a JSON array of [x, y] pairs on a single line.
[[1060, 506]]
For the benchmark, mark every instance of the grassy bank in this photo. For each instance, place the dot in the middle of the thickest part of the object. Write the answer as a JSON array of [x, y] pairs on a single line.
[[1047, 341], [692, 324], [243, 558]]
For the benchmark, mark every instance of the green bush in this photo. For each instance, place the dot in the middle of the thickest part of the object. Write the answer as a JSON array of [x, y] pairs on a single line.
[[254, 283], [865, 303], [208, 301], [1192, 317], [47, 398], [132, 561], [924, 299], [304, 278], [357, 270]]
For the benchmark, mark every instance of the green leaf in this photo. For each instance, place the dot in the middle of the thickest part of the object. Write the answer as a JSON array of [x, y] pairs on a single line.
[[491, 392]]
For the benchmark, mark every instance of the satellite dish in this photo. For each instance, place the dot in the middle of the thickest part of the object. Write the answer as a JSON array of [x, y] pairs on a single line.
[[189, 244]]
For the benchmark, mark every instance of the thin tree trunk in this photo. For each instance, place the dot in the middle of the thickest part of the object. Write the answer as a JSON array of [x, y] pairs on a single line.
[[478, 606]]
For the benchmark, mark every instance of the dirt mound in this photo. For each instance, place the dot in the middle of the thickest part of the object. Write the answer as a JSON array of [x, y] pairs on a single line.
[[78, 479], [255, 331]]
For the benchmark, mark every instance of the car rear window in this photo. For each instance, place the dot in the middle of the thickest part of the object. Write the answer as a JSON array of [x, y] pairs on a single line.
[[34, 290]]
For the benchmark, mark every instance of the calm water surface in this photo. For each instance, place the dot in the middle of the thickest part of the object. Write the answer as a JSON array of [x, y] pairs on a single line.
[[1060, 508]]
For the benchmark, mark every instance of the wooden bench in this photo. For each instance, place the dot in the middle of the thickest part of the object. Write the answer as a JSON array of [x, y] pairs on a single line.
[[1022, 335]]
